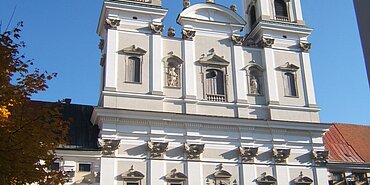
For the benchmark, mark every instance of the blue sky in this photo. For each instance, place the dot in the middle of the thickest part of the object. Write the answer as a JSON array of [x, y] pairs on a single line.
[[61, 37]]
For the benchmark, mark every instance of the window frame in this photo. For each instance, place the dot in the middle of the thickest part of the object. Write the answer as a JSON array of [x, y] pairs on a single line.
[[290, 85], [137, 72], [84, 163], [287, 11]]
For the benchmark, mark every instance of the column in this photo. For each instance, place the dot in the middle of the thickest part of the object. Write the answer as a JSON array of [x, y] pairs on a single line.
[[107, 172], [190, 70], [111, 60], [307, 79], [194, 172], [240, 81], [157, 171], [271, 83], [156, 65]]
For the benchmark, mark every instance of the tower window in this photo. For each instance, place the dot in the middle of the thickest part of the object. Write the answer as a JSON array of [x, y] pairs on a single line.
[[290, 84], [215, 85], [281, 10], [253, 17], [133, 70]]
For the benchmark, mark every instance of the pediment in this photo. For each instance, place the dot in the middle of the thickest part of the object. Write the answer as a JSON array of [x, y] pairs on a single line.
[[222, 174], [302, 180], [175, 176], [213, 59], [132, 174], [211, 12], [288, 67], [253, 64], [266, 179], [133, 50]]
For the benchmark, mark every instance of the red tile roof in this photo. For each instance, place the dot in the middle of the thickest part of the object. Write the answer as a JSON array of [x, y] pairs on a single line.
[[348, 143]]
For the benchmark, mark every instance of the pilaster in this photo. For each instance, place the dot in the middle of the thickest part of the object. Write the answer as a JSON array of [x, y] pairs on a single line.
[[264, 8], [307, 79], [249, 173], [321, 174], [111, 59], [156, 66], [298, 12], [240, 77], [271, 83], [282, 174], [108, 169], [189, 69], [194, 173], [157, 169]]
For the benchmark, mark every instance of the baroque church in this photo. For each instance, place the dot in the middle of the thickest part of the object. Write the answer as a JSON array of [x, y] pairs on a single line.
[[231, 102]]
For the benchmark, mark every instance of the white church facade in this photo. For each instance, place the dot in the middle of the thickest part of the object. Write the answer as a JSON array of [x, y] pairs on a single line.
[[218, 106]]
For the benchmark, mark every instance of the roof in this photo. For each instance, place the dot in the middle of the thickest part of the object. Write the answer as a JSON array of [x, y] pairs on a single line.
[[83, 135], [348, 143]]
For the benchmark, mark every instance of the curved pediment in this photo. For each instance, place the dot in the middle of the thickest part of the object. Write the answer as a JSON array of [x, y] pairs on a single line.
[[211, 12]]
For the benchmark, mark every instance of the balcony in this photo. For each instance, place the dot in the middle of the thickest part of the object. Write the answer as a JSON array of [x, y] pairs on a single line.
[[282, 18], [216, 98]]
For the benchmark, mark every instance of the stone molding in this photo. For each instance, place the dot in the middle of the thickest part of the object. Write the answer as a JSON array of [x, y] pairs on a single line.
[[188, 34], [266, 42], [108, 146], [157, 149], [280, 155], [193, 151], [248, 153], [237, 40], [112, 23], [266, 179], [156, 28]]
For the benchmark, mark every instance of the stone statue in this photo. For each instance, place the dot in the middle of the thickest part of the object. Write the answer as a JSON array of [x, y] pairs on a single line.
[[172, 77], [186, 4], [254, 85]]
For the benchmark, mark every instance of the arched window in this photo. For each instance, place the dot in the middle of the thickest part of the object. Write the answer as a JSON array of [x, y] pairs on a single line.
[[133, 69], [291, 89], [252, 15], [281, 10], [215, 85]]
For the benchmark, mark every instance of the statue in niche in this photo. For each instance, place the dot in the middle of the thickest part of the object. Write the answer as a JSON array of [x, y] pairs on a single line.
[[254, 86], [173, 77]]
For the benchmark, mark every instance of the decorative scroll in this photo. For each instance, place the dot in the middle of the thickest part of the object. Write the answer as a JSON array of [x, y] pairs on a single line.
[[156, 28], [108, 146], [188, 34], [280, 155], [237, 40], [305, 46], [266, 42], [112, 23], [320, 156], [157, 149], [248, 153], [193, 151]]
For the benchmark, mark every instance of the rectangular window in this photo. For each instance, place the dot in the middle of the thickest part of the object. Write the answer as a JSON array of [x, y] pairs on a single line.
[[84, 167], [132, 183], [133, 69], [290, 84]]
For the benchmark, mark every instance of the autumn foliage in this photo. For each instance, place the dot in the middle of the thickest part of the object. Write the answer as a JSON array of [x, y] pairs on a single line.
[[29, 131]]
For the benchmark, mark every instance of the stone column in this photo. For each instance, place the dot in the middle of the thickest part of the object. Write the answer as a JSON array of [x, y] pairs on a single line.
[[307, 79], [111, 60], [271, 83], [156, 65]]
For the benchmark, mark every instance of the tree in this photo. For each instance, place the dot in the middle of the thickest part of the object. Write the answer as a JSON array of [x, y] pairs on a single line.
[[29, 131]]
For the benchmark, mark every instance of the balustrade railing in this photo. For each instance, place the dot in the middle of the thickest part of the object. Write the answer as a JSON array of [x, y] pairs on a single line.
[[282, 18], [216, 98]]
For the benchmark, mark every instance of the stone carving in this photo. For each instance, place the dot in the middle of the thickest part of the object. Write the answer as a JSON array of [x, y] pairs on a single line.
[[222, 177], [133, 50], [157, 149], [112, 23], [186, 4], [280, 155], [188, 34], [266, 42], [320, 156], [211, 58], [302, 180], [101, 44], [173, 77], [254, 85], [193, 151], [288, 67], [175, 176], [171, 32], [265, 179], [132, 175], [248, 153], [233, 8], [237, 40], [108, 146], [305, 46], [156, 28]]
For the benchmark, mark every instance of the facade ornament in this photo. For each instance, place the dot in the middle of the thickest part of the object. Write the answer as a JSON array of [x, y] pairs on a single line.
[[222, 176], [320, 157], [132, 175], [237, 40], [112, 23], [108, 146], [248, 153], [266, 42], [288, 67], [186, 4], [157, 149], [280, 155], [211, 58], [305, 46], [133, 50], [302, 180], [193, 151], [175, 176], [156, 28], [171, 32], [101, 44], [173, 77], [188, 34], [265, 179], [233, 8], [254, 85], [210, 1]]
